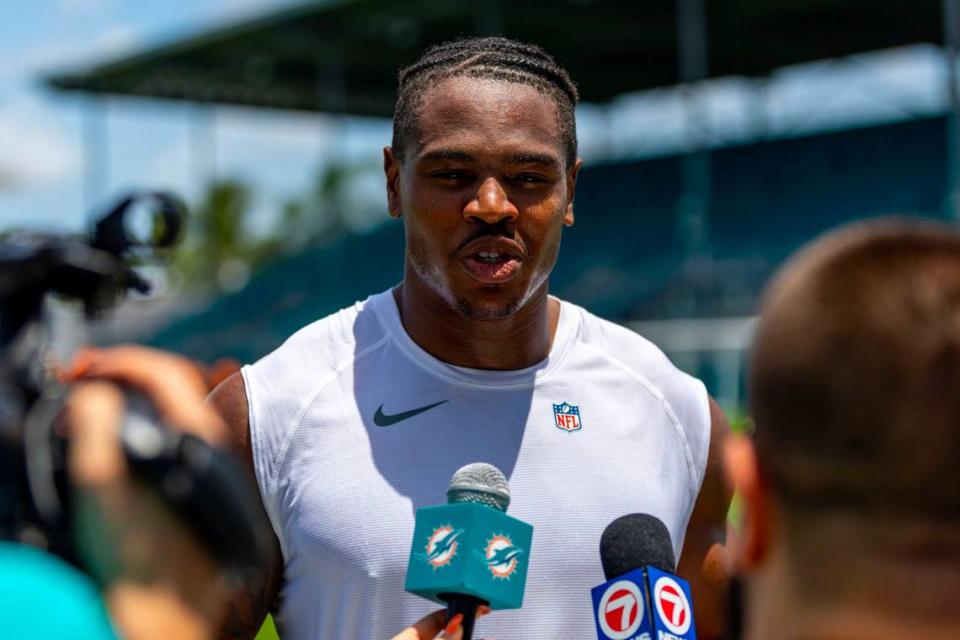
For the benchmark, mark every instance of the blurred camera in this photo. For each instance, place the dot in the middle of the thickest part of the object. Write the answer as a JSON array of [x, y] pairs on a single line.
[[205, 487]]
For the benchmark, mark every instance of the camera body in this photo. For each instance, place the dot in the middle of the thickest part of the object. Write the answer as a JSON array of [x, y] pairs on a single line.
[[204, 486]]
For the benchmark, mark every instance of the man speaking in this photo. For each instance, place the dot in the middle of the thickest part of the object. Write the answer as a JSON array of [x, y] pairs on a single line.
[[362, 417]]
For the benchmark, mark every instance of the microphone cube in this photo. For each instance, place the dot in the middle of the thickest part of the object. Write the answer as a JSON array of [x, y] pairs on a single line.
[[469, 549]]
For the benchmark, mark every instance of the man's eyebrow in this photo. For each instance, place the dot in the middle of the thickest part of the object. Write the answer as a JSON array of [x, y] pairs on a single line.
[[457, 155], [446, 154], [533, 158]]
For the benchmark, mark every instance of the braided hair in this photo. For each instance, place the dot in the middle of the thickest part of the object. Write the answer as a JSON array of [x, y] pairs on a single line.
[[494, 58]]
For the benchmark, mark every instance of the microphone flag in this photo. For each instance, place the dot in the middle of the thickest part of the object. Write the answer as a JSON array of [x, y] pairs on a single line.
[[644, 604], [470, 549]]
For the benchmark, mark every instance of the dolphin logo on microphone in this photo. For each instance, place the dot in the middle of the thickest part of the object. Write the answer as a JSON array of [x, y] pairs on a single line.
[[500, 556], [504, 556], [441, 546]]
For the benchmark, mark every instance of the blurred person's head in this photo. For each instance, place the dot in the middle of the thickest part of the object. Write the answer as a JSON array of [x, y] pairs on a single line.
[[851, 484], [482, 170]]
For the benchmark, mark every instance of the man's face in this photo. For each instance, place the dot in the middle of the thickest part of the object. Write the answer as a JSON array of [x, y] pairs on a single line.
[[485, 191]]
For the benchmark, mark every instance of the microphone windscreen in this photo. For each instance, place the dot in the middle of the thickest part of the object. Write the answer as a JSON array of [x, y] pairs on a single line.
[[481, 483], [633, 541]]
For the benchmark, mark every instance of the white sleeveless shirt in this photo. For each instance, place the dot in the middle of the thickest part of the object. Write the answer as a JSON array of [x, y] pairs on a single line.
[[341, 491]]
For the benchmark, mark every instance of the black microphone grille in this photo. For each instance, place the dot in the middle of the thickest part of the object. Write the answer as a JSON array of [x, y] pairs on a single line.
[[633, 541]]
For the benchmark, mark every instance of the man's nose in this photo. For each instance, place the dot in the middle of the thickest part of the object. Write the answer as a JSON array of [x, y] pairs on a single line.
[[491, 204]]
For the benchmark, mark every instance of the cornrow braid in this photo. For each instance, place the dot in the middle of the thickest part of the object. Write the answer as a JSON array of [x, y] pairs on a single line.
[[494, 58]]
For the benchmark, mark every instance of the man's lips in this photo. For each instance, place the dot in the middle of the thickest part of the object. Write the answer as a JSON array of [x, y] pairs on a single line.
[[487, 272], [492, 259], [492, 244]]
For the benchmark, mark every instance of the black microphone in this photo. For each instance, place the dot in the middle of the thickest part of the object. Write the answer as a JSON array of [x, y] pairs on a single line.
[[633, 541], [641, 599]]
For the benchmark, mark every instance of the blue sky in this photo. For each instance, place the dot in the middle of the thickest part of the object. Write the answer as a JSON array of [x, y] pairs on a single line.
[[148, 144]]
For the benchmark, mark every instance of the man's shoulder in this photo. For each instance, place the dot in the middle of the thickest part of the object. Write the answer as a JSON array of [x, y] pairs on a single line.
[[638, 357], [621, 344], [682, 397]]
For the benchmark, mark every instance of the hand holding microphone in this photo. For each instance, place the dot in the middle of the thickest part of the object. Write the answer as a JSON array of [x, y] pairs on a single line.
[[435, 626]]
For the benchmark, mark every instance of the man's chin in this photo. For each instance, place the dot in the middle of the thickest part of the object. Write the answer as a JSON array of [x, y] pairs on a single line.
[[479, 309]]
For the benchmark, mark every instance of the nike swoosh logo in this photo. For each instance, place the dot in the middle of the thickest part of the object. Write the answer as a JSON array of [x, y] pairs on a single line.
[[383, 420]]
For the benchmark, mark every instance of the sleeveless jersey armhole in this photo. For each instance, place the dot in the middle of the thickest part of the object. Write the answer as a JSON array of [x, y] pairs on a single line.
[[697, 432], [263, 458], [702, 446]]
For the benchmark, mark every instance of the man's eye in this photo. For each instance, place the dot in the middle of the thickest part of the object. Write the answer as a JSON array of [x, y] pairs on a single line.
[[457, 176], [529, 178]]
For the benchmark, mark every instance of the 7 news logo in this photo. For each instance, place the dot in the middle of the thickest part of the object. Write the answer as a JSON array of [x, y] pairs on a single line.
[[673, 609], [621, 611], [645, 604]]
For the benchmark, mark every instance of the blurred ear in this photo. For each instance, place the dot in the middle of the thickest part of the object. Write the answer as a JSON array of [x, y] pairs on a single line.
[[391, 170], [753, 541], [571, 190]]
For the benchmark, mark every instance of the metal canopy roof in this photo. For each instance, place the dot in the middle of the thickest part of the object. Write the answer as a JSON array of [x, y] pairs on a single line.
[[342, 56]]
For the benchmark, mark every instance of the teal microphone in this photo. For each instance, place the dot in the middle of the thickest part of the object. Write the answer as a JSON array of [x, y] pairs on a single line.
[[469, 552]]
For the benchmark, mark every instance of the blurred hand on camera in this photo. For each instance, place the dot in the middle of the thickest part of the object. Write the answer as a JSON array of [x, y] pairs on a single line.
[[159, 582]]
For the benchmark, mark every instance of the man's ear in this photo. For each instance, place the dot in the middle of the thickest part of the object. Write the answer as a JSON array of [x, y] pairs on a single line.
[[571, 190], [391, 170], [756, 526]]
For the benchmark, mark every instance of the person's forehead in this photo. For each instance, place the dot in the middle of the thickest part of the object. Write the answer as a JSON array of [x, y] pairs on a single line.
[[488, 114]]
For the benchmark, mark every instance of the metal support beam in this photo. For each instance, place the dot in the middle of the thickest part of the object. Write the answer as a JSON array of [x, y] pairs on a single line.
[[693, 205], [95, 148], [759, 109], [951, 49], [202, 148], [330, 82]]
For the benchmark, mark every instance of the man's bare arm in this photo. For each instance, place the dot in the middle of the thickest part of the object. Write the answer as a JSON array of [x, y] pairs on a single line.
[[252, 604], [703, 562]]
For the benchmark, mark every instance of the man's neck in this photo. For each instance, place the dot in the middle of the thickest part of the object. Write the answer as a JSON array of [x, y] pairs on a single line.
[[517, 341]]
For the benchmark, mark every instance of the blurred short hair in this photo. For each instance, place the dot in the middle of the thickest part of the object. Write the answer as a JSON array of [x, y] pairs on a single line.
[[855, 376]]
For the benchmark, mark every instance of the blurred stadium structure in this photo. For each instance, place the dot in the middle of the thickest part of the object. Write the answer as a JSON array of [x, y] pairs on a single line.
[[677, 246]]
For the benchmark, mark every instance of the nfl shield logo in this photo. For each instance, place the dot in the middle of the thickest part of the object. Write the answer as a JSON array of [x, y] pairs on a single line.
[[567, 417]]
